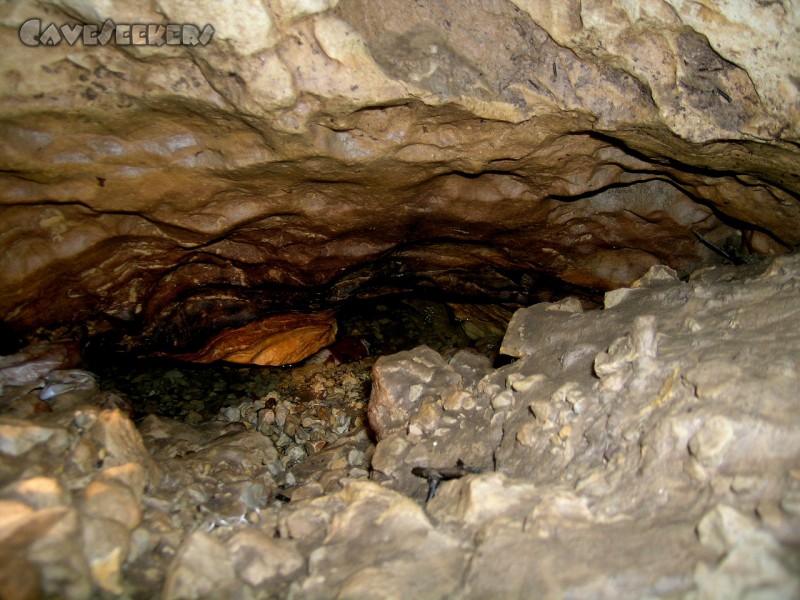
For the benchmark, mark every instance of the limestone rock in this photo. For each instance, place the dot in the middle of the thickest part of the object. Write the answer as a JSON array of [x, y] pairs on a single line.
[[61, 381], [276, 340], [423, 417], [381, 544], [710, 443], [106, 543], [530, 328], [49, 550], [234, 455], [723, 527], [476, 500], [113, 501], [35, 361], [663, 427], [471, 366], [37, 492], [402, 384], [757, 564], [132, 475], [186, 192], [18, 437], [215, 201], [200, 568], [121, 441], [259, 559]]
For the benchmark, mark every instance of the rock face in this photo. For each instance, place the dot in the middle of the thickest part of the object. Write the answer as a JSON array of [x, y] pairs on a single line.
[[317, 151], [646, 450]]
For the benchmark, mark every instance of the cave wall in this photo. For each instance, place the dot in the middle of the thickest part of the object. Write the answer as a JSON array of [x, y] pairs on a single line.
[[319, 150]]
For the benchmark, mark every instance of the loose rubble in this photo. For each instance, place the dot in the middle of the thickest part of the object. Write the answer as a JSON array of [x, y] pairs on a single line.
[[649, 449]]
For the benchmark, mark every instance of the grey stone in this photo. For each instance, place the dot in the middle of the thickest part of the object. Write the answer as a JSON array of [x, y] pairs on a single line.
[[18, 437], [401, 385], [259, 558], [382, 544], [757, 566], [722, 528], [710, 443], [201, 567]]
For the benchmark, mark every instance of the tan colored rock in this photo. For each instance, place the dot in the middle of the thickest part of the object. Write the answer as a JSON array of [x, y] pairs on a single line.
[[200, 567], [318, 150], [106, 544], [276, 340], [13, 514], [132, 475], [116, 434], [259, 558], [18, 437], [37, 492], [113, 501]]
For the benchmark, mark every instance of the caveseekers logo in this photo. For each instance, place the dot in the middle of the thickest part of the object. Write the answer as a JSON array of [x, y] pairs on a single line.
[[138, 34]]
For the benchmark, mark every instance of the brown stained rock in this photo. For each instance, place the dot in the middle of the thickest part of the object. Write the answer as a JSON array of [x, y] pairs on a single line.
[[112, 500], [276, 340], [49, 541], [312, 153], [37, 492], [480, 320], [19, 579]]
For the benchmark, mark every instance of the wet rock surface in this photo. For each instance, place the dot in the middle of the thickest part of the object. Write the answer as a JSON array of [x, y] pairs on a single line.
[[647, 449]]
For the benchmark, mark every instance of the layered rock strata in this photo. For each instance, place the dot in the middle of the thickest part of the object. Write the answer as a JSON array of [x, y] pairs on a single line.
[[317, 151]]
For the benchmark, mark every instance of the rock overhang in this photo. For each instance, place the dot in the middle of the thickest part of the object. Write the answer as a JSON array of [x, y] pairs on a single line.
[[368, 149]]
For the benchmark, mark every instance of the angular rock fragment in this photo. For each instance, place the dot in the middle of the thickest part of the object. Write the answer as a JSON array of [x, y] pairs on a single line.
[[106, 544], [201, 568], [113, 501], [259, 559], [381, 543], [18, 437], [400, 388]]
